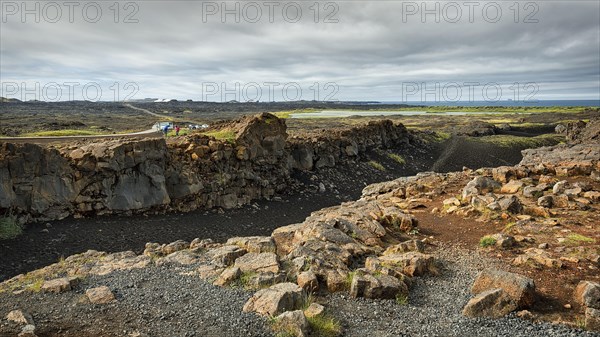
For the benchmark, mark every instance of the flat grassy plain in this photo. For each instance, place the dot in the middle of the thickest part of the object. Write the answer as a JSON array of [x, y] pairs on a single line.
[[33, 119]]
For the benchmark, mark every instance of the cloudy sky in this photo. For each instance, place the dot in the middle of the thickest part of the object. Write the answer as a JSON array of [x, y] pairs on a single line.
[[344, 50]]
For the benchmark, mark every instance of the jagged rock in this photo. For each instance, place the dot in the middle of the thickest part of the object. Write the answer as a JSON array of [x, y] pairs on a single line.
[[267, 279], [537, 256], [58, 285], [308, 281], [276, 299], [209, 271], [406, 246], [375, 266], [493, 303], [534, 191], [411, 263], [28, 331], [512, 187], [587, 294], [258, 263], [560, 201], [592, 195], [183, 257], [525, 314], [560, 187], [284, 238], [227, 276], [504, 240], [480, 185], [254, 244], [381, 286], [546, 201], [504, 174], [337, 281], [100, 295], [20, 317], [314, 309], [573, 192], [510, 204], [480, 202], [451, 202], [175, 247], [153, 249], [226, 255], [592, 319], [519, 288], [293, 322]]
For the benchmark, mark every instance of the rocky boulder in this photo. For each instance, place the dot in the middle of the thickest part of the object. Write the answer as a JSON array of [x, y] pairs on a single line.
[[277, 299], [519, 288], [100, 295], [292, 323], [376, 286], [254, 244], [480, 185], [494, 303], [226, 255], [587, 294], [258, 263]]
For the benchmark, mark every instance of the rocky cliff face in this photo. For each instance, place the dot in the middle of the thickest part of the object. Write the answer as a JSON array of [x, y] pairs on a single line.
[[197, 171]]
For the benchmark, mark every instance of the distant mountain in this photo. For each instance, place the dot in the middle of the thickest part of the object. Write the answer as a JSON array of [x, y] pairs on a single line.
[[9, 100]]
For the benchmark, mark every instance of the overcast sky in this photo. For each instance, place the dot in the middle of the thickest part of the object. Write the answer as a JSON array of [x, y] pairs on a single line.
[[357, 50]]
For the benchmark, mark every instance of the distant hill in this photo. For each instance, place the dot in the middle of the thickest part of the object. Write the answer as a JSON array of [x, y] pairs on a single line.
[[9, 100]]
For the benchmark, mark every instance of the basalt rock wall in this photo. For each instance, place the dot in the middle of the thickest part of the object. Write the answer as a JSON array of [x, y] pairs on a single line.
[[252, 161]]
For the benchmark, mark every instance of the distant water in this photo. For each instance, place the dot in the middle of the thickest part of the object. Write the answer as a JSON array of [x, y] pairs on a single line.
[[348, 113], [541, 103]]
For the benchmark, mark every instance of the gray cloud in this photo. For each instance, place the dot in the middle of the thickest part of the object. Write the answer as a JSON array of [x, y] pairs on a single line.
[[370, 53]]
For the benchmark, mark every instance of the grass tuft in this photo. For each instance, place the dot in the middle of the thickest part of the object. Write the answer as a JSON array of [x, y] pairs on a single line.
[[376, 165], [525, 142], [10, 227], [487, 241], [402, 299], [349, 278], [324, 326], [575, 238], [225, 134], [397, 158]]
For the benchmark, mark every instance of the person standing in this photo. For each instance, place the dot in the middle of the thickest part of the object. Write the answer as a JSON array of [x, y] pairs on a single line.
[[177, 128], [166, 130]]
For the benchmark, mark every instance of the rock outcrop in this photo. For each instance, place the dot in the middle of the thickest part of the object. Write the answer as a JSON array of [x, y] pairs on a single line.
[[132, 176]]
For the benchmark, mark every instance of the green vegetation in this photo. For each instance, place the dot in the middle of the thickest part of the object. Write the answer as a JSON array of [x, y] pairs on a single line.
[[487, 241], [435, 137], [575, 239], [288, 113], [280, 329], [245, 280], [9, 227], [349, 279], [516, 109], [525, 142], [397, 158], [402, 299], [324, 326], [376, 165], [509, 226], [63, 133], [224, 134]]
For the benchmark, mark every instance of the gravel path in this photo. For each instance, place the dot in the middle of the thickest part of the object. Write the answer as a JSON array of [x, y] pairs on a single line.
[[155, 301], [434, 308], [168, 301]]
